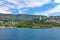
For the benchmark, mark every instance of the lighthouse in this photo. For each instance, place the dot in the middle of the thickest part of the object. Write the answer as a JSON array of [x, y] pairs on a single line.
[[40, 16]]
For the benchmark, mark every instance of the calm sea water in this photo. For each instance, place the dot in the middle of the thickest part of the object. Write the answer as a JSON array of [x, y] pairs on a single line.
[[29, 34]]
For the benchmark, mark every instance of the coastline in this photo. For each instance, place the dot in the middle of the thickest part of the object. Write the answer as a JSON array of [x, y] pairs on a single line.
[[28, 27]]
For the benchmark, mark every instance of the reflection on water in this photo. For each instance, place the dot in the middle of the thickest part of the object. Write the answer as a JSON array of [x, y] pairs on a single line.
[[29, 34]]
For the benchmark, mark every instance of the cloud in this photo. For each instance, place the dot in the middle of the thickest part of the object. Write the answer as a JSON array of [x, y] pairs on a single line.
[[52, 11], [19, 4], [4, 10], [57, 1], [35, 3], [15, 6], [29, 3]]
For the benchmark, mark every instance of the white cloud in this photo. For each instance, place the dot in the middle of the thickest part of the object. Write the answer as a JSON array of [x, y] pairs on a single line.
[[29, 3], [18, 5], [1, 2], [12, 1], [57, 1], [52, 11], [36, 3], [4, 10]]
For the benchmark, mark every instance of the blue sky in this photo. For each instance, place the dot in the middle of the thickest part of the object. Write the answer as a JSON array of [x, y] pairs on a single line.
[[34, 7]]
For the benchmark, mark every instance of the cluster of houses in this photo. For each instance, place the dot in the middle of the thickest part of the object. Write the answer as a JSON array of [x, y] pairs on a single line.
[[52, 19], [9, 23]]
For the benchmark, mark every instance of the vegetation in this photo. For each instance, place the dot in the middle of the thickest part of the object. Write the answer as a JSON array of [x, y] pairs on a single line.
[[29, 21], [36, 23]]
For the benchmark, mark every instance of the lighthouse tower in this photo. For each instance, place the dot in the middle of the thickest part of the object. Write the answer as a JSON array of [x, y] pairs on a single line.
[[40, 16]]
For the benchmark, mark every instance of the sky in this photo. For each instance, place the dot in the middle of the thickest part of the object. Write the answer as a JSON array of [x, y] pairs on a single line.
[[34, 7]]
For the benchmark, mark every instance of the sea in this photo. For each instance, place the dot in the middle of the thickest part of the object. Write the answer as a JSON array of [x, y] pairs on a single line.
[[29, 34]]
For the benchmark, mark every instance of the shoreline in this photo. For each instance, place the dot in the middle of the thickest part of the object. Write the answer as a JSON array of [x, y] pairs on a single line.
[[28, 27]]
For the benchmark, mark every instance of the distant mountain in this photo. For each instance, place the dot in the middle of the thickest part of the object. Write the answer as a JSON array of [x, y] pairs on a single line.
[[24, 17], [6, 14], [18, 17]]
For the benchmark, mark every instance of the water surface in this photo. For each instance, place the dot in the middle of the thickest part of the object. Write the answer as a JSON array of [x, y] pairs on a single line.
[[29, 34]]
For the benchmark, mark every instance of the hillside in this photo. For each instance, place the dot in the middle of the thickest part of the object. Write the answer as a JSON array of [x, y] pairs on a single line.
[[31, 21], [18, 18]]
